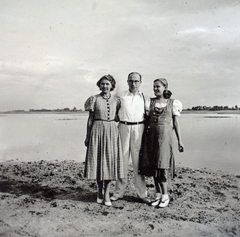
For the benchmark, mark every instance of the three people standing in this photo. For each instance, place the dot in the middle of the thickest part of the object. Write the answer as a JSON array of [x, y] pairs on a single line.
[[109, 148]]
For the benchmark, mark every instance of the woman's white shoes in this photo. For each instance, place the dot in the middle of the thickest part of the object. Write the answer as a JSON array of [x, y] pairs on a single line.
[[113, 198], [99, 200], [164, 203], [155, 202], [161, 201], [108, 204]]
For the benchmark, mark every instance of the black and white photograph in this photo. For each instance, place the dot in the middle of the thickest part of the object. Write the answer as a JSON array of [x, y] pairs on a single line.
[[119, 118]]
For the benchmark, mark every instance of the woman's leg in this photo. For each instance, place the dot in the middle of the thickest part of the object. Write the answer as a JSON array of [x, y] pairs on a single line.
[[164, 184], [158, 192], [163, 180], [107, 190], [157, 185], [100, 189], [107, 201]]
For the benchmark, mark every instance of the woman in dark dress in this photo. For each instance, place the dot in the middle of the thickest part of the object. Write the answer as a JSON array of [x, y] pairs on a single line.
[[156, 156], [104, 160]]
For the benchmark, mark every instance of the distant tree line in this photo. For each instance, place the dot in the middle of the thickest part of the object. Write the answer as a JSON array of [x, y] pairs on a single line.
[[56, 110], [214, 108], [74, 109]]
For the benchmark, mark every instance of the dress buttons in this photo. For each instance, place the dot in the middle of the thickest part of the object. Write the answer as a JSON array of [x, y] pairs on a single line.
[[108, 110]]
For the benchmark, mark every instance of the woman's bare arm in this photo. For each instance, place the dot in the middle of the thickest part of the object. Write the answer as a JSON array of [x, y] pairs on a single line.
[[89, 126], [176, 126]]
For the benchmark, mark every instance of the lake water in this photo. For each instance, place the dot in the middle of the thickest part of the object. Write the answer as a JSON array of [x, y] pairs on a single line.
[[211, 141]]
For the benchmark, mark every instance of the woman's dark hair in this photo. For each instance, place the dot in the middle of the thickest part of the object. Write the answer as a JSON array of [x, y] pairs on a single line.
[[109, 78], [167, 94]]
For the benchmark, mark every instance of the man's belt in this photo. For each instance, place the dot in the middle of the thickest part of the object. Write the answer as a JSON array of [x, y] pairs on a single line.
[[131, 123]]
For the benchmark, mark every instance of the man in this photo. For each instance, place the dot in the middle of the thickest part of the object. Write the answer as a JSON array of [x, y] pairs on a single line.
[[131, 126]]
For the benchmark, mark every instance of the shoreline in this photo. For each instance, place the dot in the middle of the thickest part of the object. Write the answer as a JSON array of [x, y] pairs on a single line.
[[54, 199], [211, 112], [185, 111]]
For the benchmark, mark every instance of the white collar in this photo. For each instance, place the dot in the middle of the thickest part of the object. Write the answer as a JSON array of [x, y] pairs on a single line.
[[130, 93]]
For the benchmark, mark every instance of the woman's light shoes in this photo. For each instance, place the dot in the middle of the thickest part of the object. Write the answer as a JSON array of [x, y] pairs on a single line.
[[164, 203], [161, 202], [108, 204], [156, 202], [99, 200], [113, 198]]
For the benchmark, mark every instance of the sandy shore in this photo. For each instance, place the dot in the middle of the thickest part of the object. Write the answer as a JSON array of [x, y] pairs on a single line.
[[53, 199]]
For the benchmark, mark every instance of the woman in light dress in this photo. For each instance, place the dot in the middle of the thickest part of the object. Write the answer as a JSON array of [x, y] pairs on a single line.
[[104, 161]]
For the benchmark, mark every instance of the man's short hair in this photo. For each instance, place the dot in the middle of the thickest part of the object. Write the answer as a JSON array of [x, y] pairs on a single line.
[[132, 73]]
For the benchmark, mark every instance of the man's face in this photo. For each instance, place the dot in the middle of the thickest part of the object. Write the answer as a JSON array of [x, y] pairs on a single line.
[[134, 82]]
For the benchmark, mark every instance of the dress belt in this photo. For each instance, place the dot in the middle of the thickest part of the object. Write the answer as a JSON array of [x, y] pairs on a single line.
[[131, 123], [104, 120]]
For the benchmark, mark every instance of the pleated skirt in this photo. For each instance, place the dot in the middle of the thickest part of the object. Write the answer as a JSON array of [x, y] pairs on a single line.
[[104, 160]]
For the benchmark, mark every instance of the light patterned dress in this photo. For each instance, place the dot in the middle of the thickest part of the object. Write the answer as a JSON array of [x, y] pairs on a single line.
[[104, 153]]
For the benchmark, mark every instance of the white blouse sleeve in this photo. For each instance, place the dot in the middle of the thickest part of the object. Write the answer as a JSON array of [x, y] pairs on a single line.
[[177, 107]]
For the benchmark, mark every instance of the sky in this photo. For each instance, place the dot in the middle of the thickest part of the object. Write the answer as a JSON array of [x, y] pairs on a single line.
[[52, 52]]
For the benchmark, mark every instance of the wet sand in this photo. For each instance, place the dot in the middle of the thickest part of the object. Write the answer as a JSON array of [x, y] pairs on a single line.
[[54, 199]]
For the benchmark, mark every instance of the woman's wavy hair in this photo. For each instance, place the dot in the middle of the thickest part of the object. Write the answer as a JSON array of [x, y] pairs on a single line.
[[109, 78]]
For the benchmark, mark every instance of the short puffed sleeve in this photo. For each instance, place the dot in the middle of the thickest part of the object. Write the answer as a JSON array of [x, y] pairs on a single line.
[[89, 104], [177, 107]]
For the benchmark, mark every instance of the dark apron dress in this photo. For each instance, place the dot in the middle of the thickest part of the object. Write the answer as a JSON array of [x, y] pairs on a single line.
[[157, 145]]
